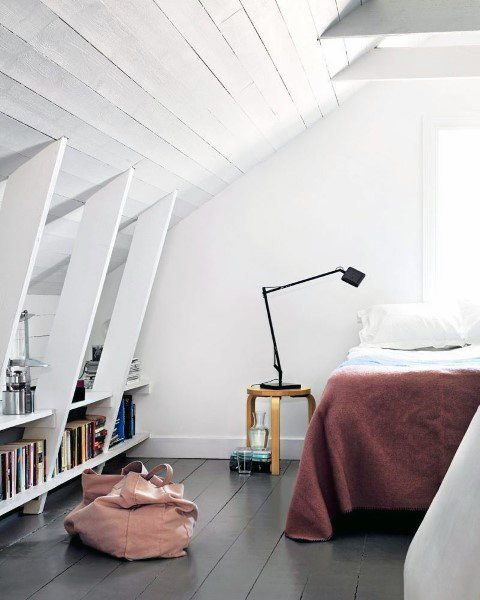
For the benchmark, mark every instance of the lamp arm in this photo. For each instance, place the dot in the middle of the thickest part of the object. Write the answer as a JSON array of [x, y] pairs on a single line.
[[268, 290]]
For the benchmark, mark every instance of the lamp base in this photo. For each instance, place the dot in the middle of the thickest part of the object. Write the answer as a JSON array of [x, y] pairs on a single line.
[[277, 386]]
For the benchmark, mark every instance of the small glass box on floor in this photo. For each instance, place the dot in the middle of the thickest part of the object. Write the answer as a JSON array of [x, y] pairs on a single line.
[[261, 461]]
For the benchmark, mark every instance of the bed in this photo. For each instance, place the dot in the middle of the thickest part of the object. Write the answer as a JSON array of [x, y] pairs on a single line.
[[383, 435]]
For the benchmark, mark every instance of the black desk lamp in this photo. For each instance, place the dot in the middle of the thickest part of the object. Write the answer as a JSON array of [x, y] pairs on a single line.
[[351, 276]]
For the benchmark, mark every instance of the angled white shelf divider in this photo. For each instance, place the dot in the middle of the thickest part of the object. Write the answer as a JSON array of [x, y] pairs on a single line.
[[131, 304], [26, 201], [76, 311]]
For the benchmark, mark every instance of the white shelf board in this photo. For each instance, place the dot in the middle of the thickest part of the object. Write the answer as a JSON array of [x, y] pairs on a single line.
[[91, 397], [135, 385], [7, 421], [38, 490]]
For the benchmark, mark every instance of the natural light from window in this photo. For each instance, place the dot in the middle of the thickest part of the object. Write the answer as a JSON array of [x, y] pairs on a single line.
[[458, 213]]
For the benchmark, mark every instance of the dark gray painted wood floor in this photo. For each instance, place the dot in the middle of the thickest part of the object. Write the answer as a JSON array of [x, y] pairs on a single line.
[[239, 550]]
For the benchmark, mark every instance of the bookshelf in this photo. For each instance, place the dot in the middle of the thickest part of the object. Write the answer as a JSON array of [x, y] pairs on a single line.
[[29, 190], [43, 488]]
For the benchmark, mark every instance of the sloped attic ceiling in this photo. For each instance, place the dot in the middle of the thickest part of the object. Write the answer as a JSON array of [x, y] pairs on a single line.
[[192, 93]]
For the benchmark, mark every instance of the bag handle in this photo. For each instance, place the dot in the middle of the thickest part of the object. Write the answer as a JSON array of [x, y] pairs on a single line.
[[136, 466], [168, 473]]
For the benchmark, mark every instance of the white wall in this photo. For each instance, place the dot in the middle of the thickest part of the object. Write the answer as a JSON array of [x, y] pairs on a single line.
[[346, 192]]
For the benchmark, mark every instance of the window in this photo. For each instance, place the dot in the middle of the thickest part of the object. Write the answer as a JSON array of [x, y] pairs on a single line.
[[452, 209]]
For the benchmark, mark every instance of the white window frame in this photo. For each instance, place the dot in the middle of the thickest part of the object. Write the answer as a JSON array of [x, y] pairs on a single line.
[[431, 128]]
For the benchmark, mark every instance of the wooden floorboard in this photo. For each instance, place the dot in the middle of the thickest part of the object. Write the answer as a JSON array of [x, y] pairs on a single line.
[[238, 551], [211, 486], [382, 568]]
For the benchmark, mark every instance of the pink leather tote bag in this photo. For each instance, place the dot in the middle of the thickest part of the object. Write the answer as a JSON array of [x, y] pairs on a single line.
[[134, 515]]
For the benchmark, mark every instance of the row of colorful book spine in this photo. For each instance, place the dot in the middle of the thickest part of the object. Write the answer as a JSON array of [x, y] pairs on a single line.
[[124, 428], [22, 466], [82, 440]]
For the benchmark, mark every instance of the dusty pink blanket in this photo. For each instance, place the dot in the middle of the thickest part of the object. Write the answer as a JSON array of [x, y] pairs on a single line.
[[381, 438]]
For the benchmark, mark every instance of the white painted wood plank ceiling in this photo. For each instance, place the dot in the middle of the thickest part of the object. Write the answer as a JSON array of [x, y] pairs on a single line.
[[192, 93]]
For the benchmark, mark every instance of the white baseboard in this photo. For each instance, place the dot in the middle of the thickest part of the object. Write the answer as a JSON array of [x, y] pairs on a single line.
[[167, 446]]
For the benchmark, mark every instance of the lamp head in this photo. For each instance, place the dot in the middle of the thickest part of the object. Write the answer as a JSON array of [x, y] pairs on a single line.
[[353, 277]]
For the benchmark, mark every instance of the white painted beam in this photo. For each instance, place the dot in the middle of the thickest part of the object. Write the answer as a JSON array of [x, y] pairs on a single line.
[[131, 304], [24, 210], [77, 306], [384, 64], [396, 17]]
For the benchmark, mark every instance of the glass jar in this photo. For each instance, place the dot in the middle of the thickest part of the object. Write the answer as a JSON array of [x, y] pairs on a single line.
[[258, 433]]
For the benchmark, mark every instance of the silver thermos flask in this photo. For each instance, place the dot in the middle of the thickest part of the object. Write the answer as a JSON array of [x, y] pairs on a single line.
[[17, 398]]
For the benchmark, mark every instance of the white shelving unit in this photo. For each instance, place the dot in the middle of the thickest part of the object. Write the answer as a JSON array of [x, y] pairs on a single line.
[[43, 488], [29, 191]]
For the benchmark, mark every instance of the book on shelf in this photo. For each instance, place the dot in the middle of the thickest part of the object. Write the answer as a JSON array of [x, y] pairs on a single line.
[[82, 440], [134, 371], [22, 465], [89, 372], [91, 367], [125, 422], [100, 432]]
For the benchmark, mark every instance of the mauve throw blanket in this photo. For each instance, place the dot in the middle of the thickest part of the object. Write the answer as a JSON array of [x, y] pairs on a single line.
[[382, 437]]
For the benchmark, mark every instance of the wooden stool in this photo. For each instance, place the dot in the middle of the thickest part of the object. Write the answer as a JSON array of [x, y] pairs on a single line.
[[255, 392]]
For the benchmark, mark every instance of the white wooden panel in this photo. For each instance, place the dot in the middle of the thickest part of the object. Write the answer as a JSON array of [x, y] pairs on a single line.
[[68, 49], [28, 192], [182, 64], [115, 37], [131, 304], [384, 64], [196, 26], [31, 109], [442, 561], [39, 114], [19, 61], [391, 17], [247, 45], [78, 303], [268, 21], [302, 29], [193, 22], [64, 46], [221, 10]]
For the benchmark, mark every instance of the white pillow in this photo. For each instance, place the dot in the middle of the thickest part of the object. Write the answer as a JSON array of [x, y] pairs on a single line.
[[411, 326], [471, 321]]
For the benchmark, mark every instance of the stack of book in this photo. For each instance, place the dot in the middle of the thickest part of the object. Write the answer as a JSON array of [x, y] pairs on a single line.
[[125, 422], [22, 465], [100, 432], [89, 373], [134, 372], [82, 439]]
